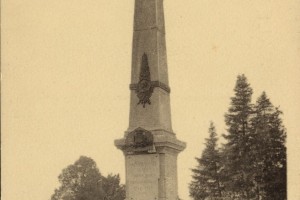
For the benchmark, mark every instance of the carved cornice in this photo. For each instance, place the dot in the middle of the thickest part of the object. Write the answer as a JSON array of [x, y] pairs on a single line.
[[139, 141], [143, 141], [159, 84]]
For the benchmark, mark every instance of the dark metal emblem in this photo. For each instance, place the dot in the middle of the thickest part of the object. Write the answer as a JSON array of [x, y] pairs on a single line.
[[139, 140], [144, 88], [142, 139]]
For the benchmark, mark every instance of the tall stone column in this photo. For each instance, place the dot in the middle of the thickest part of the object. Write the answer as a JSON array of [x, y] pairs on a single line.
[[149, 145]]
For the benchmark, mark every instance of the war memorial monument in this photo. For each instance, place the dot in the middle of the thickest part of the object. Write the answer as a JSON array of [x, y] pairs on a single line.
[[149, 144]]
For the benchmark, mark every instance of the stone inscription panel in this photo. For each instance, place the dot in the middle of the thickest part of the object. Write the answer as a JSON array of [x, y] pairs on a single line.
[[142, 174]]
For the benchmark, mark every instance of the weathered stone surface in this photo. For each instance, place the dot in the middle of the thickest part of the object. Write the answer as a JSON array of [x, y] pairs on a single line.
[[149, 14], [155, 116], [154, 172], [151, 42], [142, 175], [149, 39], [149, 145]]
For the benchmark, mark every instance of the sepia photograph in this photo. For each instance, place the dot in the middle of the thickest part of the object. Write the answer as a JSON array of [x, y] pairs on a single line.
[[150, 100]]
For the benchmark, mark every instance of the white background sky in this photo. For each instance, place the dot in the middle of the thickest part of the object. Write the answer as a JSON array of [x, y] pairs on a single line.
[[66, 70]]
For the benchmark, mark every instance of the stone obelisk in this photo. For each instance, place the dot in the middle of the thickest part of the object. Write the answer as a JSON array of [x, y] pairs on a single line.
[[149, 145]]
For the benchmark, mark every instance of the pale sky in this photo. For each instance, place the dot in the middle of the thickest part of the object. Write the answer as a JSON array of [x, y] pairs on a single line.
[[66, 70]]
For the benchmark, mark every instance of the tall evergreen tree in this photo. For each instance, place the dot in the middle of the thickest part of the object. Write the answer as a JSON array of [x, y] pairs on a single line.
[[206, 178], [252, 163], [268, 150], [237, 166]]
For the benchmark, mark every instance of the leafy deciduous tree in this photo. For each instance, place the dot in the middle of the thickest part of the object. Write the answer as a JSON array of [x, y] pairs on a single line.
[[112, 188], [83, 181]]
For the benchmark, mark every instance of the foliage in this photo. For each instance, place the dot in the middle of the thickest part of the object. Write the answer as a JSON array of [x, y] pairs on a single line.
[[237, 163], [206, 178], [112, 187], [269, 151], [252, 162], [83, 181]]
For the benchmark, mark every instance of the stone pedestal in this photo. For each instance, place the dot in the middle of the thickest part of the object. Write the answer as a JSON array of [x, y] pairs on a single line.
[[151, 171]]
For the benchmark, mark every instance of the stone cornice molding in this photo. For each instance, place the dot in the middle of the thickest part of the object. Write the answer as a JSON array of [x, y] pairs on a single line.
[[134, 86]]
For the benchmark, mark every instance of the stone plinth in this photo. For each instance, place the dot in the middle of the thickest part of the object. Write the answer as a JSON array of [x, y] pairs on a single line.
[[152, 172]]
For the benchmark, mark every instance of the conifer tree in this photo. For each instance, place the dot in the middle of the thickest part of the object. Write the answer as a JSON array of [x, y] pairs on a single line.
[[206, 177], [268, 153], [252, 162], [237, 164]]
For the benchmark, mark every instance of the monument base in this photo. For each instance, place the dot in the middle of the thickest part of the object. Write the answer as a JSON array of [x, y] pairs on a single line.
[[151, 172]]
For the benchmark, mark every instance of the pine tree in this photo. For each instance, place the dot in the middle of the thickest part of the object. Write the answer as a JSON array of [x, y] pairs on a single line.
[[268, 150], [237, 164], [206, 179], [252, 162]]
